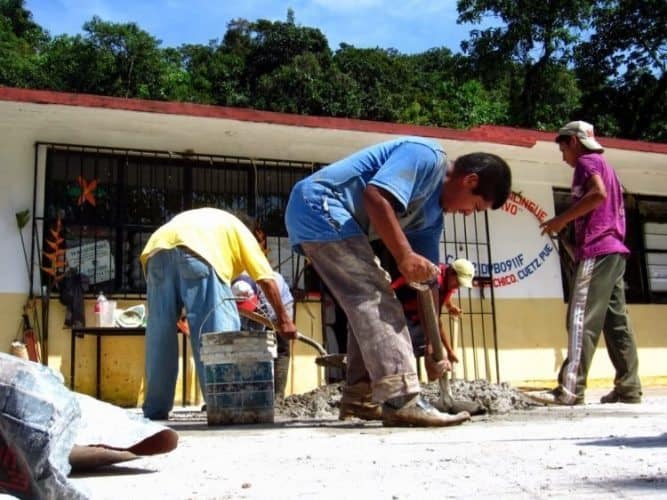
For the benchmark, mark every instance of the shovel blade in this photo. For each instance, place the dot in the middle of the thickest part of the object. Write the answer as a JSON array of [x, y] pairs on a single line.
[[332, 360]]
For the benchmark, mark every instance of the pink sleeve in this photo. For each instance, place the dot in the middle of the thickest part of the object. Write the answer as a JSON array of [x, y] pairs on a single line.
[[587, 166]]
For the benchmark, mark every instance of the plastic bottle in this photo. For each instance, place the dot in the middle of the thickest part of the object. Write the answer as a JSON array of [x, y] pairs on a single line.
[[100, 305]]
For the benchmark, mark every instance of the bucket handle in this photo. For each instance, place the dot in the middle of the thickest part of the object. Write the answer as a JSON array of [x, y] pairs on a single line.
[[234, 298], [261, 318]]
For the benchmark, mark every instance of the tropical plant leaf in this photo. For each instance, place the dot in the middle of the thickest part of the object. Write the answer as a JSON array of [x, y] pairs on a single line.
[[22, 218], [56, 257], [50, 271]]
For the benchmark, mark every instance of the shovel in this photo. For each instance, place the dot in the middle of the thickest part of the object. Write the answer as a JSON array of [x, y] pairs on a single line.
[[324, 359], [455, 343], [446, 403]]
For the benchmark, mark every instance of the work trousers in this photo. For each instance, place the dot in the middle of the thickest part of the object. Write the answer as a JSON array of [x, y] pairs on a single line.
[[177, 278], [597, 304], [379, 350]]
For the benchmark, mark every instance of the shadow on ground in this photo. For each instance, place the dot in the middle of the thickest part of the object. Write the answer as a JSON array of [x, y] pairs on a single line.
[[643, 482], [631, 442]]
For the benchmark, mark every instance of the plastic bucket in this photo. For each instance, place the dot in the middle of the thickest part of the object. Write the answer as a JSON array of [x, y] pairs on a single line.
[[238, 375]]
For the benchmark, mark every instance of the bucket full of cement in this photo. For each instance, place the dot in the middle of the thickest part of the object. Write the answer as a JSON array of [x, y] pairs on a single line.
[[238, 374]]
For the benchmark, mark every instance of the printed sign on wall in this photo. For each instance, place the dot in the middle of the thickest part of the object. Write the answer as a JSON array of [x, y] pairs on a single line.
[[92, 259], [525, 263]]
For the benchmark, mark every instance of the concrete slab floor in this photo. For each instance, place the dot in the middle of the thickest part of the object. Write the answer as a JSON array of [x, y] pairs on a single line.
[[589, 451]]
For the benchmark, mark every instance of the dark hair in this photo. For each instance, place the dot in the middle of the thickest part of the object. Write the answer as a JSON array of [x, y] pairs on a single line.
[[249, 221], [255, 228], [495, 176], [563, 138]]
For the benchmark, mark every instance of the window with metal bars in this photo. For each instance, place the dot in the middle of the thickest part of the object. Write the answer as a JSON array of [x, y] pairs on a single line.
[[109, 201], [646, 237]]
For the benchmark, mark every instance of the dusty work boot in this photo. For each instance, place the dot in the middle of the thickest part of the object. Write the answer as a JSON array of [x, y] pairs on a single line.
[[615, 397], [414, 411], [356, 402]]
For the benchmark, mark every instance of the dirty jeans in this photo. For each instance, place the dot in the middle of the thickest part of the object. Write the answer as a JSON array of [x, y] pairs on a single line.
[[177, 278], [379, 350]]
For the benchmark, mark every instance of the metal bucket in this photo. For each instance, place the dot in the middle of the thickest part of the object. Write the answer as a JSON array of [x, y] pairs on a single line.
[[238, 375]]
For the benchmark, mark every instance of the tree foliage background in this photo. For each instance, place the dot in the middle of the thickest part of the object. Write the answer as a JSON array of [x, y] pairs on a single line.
[[542, 64]]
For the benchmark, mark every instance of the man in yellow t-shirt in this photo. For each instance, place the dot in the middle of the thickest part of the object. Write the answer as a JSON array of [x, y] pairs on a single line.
[[190, 262]]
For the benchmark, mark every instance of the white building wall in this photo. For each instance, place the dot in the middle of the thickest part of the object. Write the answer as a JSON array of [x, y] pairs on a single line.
[[535, 170]]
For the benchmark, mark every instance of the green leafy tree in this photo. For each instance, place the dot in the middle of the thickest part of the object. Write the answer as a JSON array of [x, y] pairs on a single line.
[[521, 72], [20, 23], [276, 43], [267, 45], [622, 69], [343, 97], [216, 74], [383, 77], [175, 81], [304, 87], [458, 106], [428, 71], [294, 87], [255, 56], [72, 64], [447, 94], [130, 54], [117, 59], [21, 41], [534, 44]]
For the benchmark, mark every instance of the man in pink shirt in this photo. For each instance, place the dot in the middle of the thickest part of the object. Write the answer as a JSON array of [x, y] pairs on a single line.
[[597, 295]]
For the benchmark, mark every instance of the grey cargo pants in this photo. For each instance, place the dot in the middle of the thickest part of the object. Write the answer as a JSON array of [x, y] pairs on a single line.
[[379, 350]]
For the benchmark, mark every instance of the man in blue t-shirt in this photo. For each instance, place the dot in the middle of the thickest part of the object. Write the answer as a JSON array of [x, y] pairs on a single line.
[[396, 192]]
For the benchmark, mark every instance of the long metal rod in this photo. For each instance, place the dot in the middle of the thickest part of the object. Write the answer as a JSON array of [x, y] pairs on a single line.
[[470, 319], [493, 300], [31, 293], [487, 361]]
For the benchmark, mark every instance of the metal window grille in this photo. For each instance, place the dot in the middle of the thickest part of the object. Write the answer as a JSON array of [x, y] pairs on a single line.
[[468, 237], [647, 258], [110, 200]]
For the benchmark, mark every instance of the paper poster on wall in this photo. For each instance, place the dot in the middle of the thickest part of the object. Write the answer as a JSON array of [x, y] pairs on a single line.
[[92, 259]]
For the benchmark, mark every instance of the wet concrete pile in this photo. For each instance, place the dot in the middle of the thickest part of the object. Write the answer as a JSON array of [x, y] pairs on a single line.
[[322, 403], [495, 398]]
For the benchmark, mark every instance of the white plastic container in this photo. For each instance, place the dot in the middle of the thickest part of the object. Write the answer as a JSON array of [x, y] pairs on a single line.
[[108, 317]]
